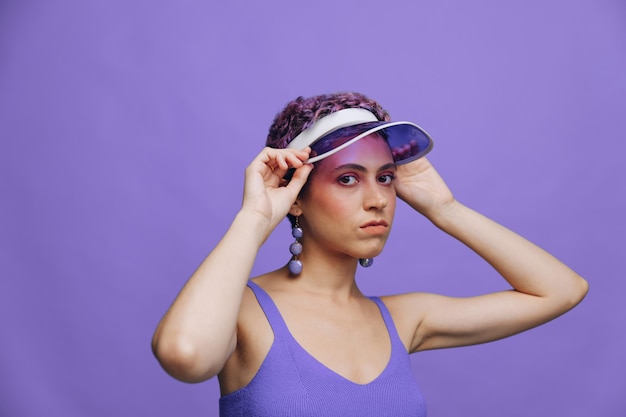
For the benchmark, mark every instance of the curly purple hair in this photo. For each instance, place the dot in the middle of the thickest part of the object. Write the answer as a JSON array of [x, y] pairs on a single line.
[[302, 112]]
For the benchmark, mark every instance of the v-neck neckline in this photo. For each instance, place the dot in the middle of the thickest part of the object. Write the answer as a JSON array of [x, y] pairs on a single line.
[[321, 364], [335, 373]]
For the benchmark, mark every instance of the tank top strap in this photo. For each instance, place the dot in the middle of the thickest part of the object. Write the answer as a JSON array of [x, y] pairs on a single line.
[[275, 319], [279, 327], [391, 326]]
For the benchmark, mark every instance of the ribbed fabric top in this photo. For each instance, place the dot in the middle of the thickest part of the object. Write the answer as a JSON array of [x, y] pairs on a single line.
[[291, 382]]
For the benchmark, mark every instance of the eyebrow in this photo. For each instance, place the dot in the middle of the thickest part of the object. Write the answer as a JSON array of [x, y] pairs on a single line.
[[361, 168]]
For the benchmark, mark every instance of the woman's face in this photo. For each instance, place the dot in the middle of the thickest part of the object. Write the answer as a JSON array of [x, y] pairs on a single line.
[[350, 200]]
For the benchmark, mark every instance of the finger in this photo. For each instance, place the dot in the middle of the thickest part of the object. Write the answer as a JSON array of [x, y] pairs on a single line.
[[277, 162], [267, 161], [300, 177], [282, 167], [290, 160], [303, 154]]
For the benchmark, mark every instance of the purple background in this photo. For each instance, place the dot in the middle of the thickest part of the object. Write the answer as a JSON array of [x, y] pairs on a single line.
[[126, 126]]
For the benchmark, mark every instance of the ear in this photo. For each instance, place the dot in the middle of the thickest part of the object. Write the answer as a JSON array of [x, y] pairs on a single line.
[[295, 209]]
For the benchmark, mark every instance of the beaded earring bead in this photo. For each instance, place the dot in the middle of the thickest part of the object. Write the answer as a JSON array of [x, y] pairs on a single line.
[[366, 262], [295, 265]]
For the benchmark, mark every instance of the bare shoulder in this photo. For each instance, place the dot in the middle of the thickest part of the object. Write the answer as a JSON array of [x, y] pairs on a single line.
[[253, 329], [254, 340], [408, 311]]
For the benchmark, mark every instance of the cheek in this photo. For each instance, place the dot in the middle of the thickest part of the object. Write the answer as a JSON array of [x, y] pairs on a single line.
[[334, 207], [327, 207], [391, 199]]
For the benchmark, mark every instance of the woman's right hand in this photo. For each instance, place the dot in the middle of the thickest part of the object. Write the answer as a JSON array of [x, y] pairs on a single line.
[[266, 192]]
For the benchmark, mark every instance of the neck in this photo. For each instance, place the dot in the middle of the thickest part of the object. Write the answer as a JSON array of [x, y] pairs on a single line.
[[325, 274]]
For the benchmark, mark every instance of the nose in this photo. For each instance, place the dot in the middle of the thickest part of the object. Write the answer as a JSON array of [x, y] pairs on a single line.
[[375, 198]]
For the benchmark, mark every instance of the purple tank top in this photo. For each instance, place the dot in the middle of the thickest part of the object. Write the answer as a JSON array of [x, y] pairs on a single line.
[[291, 382]]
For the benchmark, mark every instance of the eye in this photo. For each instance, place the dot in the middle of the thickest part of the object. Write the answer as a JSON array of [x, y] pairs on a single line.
[[386, 178], [347, 180]]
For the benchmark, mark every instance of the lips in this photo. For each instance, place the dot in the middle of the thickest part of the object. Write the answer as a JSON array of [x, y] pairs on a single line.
[[375, 223]]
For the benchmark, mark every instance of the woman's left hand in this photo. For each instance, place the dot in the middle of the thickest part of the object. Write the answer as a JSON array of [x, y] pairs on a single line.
[[420, 186]]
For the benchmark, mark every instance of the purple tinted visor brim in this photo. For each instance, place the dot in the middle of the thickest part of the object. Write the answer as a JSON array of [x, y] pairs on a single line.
[[406, 140]]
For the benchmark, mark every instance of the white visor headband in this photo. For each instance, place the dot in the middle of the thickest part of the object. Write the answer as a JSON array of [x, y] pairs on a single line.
[[406, 140]]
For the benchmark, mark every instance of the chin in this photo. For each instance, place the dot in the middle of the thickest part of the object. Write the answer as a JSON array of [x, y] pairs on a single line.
[[372, 253]]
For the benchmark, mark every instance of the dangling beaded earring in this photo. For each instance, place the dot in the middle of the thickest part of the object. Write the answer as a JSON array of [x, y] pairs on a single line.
[[366, 262], [295, 265]]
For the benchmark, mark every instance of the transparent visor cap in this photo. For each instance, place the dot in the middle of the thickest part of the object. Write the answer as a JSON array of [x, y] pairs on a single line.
[[330, 134]]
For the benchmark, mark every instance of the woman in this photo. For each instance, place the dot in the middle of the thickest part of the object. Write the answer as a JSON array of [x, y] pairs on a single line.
[[303, 340]]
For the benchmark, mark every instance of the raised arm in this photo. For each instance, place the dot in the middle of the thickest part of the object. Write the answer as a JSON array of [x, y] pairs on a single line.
[[198, 332], [543, 287]]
